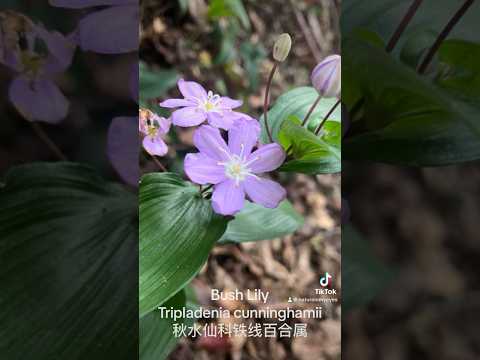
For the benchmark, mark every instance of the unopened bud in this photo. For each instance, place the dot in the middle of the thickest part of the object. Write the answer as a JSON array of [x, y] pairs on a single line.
[[327, 77], [282, 47]]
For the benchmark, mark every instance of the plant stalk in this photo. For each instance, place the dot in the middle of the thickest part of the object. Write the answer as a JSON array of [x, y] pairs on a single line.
[[443, 35], [312, 108], [47, 141], [266, 102], [317, 131], [159, 164], [403, 25]]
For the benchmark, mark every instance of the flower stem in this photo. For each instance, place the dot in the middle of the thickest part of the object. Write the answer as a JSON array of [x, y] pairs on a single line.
[[443, 35], [47, 141], [158, 163], [310, 112], [205, 189], [403, 25], [266, 102], [317, 131]]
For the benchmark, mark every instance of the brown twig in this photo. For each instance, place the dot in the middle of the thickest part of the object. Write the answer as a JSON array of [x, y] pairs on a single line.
[[47, 141], [443, 35], [267, 101]]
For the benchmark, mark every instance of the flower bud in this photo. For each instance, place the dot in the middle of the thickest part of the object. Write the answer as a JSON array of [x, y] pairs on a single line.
[[282, 47], [327, 77]]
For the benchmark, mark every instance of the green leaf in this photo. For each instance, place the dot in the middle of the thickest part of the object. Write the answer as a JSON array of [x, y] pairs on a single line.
[[331, 133], [406, 119], [155, 83], [256, 223], [363, 275], [177, 231], [157, 339], [461, 69], [296, 103], [311, 153], [229, 8], [69, 266], [416, 46]]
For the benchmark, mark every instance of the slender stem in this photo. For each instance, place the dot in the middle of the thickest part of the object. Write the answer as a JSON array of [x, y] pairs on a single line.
[[47, 141], [158, 163], [403, 25], [205, 189], [443, 35], [266, 102], [312, 108], [317, 131]]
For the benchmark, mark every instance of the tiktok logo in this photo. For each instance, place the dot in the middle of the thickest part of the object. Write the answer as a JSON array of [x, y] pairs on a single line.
[[326, 280]]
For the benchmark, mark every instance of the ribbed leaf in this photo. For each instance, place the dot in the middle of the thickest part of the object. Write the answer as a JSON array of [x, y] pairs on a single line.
[[296, 103], [68, 255], [177, 231], [255, 223]]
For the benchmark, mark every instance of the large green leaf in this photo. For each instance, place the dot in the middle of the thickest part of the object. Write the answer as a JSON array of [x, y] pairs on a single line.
[[363, 275], [406, 119], [69, 265], [296, 103], [178, 228], [311, 153], [255, 223], [157, 339]]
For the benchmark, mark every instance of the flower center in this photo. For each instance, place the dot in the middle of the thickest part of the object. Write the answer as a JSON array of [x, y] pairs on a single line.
[[213, 100], [236, 169]]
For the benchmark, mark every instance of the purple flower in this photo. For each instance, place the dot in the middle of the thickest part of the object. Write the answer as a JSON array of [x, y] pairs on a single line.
[[36, 55], [234, 168], [199, 105], [153, 127], [327, 76], [118, 32]]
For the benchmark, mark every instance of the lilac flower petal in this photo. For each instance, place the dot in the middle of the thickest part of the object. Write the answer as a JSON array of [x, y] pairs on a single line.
[[38, 100], [164, 124], [228, 198], [265, 192], [134, 81], [60, 48], [123, 148], [243, 136], [208, 140], [155, 146], [266, 158], [192, 90], [188, 116], [175, 103], [118, 33], [80, 4], [203, 170], [227, 103], [219, 120]]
